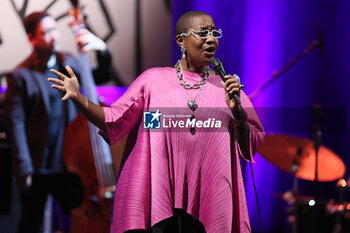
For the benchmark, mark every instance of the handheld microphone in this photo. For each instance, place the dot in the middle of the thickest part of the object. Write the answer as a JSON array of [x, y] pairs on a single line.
[[219, 68]]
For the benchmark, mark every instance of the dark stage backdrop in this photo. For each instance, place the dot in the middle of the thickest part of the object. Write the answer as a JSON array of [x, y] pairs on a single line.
[[260, 37]]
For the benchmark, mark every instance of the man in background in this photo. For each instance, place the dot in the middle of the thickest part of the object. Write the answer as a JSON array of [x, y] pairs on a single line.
[[38, 119]]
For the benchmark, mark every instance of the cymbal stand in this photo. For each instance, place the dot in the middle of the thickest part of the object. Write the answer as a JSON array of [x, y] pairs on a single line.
[[293, 199], [290, 63], [317, 135], [294, 169]]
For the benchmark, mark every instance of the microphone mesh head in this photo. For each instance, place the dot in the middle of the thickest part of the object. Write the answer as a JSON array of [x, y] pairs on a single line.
[[218, 66], [216, 63]]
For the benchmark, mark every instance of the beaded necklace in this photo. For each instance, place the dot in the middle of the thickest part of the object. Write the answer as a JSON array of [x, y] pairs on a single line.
[[192, 104]]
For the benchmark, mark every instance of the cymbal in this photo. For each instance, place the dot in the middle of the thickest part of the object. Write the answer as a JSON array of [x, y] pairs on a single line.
[[285, 151]]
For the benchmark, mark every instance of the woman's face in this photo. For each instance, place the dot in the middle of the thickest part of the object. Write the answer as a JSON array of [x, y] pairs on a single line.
[[201, 51]]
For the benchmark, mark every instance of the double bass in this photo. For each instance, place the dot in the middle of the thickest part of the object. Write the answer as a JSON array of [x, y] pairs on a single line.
[[88, 155]]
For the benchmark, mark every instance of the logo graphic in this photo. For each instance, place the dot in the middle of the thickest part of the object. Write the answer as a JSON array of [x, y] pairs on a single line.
[[151, 120]]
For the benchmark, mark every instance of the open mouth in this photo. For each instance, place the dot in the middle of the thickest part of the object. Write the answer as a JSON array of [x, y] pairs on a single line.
[[210, 51]]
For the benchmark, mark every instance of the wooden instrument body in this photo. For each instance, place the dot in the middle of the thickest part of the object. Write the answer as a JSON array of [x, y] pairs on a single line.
[[93, 215]]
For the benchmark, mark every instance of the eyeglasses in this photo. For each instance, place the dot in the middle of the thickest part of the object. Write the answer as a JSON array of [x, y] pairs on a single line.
[[201, 35]]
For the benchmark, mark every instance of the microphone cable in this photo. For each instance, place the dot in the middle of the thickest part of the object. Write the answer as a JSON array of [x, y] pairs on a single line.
[[256, 196], [219, 69]]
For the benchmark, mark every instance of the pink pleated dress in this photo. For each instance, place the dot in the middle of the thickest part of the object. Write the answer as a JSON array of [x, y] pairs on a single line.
[[170, 168]]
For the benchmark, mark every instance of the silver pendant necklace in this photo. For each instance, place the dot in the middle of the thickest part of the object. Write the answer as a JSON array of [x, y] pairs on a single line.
[[192, 104]]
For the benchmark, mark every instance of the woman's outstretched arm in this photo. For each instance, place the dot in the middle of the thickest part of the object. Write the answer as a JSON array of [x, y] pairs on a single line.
[[70, 87]]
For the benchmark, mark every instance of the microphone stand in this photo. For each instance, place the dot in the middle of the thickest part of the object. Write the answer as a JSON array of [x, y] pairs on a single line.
[[295, 192], [277, 73], [317, 135]]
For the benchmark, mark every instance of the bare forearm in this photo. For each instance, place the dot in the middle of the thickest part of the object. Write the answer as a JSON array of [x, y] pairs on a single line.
[[91, 111], [242, 135], [242, 130]]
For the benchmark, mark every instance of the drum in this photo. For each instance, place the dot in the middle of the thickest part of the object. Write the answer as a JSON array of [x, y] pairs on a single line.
[[313, 218], [324, 217]]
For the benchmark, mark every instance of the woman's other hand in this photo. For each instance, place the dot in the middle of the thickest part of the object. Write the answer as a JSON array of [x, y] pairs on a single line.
[[231, 86]]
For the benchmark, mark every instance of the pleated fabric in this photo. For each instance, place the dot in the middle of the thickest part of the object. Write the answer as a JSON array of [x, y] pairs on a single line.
[[169, 168]]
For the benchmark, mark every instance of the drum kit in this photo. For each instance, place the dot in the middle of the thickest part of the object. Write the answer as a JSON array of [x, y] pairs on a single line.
[[300, 157], [308, 160]]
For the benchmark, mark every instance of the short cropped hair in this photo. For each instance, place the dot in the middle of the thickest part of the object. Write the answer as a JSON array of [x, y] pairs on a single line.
[[183, 23], [32, 21]]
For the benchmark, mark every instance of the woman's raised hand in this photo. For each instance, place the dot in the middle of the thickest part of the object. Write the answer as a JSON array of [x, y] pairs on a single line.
[[70, 87], [64, 84]]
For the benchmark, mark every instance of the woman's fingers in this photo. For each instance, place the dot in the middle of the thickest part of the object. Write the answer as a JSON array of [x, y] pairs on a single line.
[[57, 81], [59, 74], [70, 71], [231, 85], [62, 89], [59, 88], [62, 76], [65, 97]]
